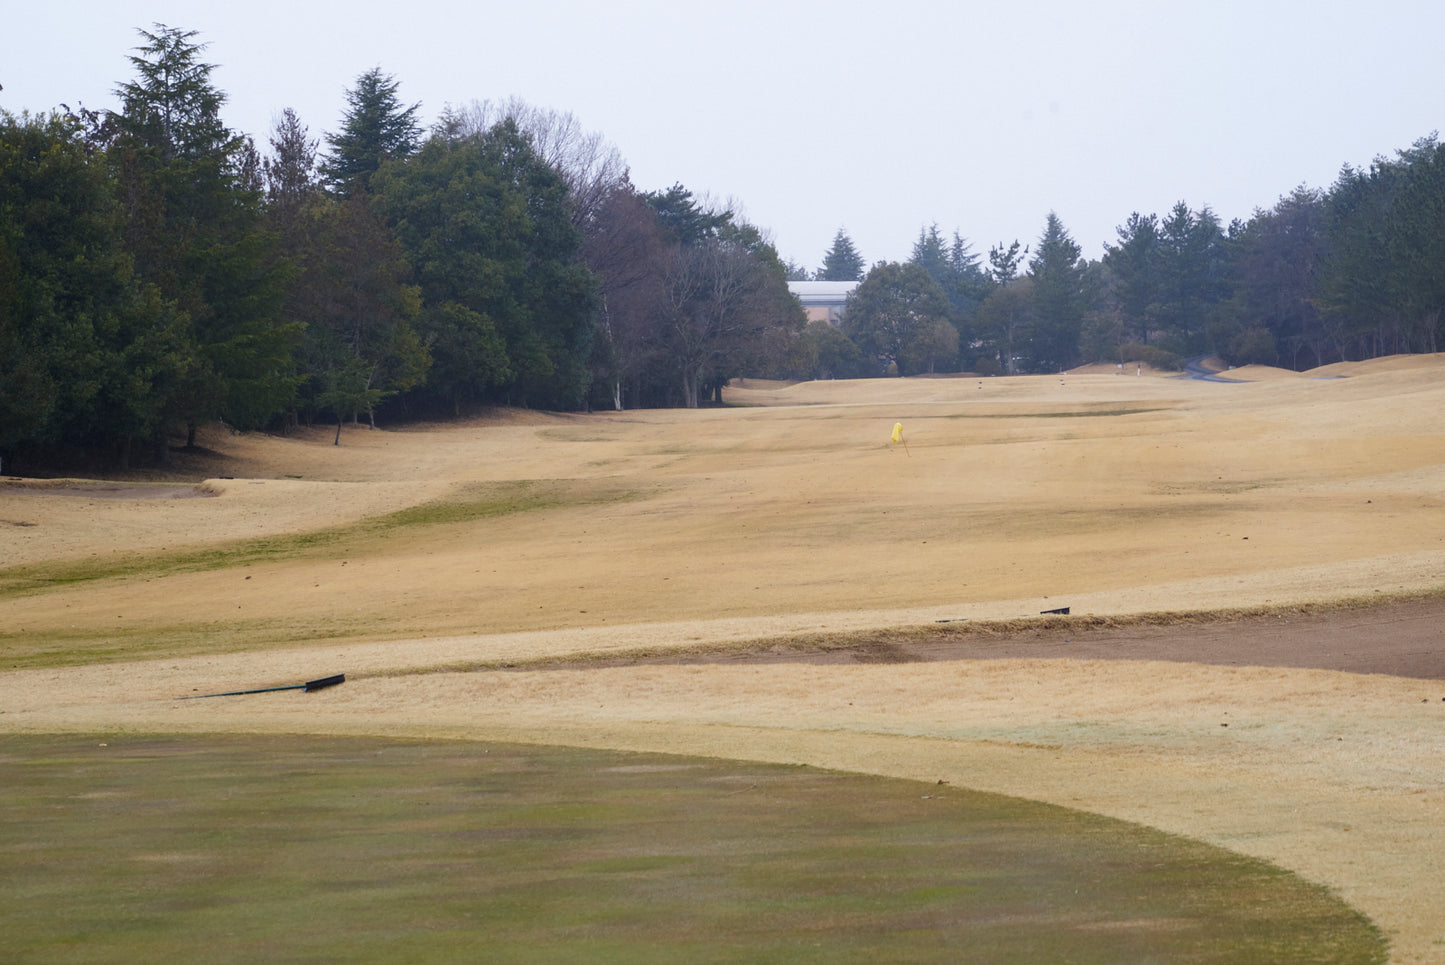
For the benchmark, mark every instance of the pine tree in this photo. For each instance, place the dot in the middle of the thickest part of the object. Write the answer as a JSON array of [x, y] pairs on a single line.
[[1058, 276], [842, 262], [172, 107], [1134, 267]]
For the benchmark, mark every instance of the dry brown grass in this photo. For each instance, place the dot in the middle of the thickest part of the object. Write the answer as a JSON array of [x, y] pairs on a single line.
[[790, 525]]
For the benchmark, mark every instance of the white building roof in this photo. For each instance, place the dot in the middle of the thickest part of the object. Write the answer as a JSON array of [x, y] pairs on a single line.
[[822, 292]]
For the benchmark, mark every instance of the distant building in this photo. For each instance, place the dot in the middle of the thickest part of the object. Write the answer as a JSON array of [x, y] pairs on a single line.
[[823, 300]]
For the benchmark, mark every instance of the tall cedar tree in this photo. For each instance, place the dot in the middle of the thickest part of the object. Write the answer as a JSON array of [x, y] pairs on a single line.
[[193, 223], [374, 129], [1058, 288], [842, 261]]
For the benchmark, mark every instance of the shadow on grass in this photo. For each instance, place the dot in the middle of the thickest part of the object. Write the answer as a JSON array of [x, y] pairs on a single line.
[[235, 849]]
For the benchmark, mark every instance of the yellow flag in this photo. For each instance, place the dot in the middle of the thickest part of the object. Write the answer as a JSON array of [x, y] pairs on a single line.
[[897, 432]]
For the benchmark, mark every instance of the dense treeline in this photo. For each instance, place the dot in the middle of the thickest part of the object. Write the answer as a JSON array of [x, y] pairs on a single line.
[[1350, 272], [158, 271]]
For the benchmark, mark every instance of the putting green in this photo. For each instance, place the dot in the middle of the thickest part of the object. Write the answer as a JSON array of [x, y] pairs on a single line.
[[232, 849]]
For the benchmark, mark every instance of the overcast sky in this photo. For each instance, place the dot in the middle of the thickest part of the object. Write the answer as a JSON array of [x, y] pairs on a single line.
[[880, 118]]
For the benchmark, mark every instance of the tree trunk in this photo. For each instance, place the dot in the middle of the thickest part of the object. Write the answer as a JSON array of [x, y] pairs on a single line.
[[689, 386]]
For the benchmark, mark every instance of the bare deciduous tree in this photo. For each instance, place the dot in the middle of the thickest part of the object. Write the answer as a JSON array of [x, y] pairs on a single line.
[[591, 166]]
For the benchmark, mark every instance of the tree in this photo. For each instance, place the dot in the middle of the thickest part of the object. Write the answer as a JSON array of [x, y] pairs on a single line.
[[713, 306], [954, 267], [590, 166], [935, 344], [1193, 273], [842, 262], [485, 225], [969, 282], [171, 107], [1278, 261], [290, 172], [829, 354], [718, 303], [348, 390], [1005, 325], [931, 254], [1003, 263], [624, 248], [193, 223], [683, 218], [354, 295], [375, 128], [1417, 244], [87, 352], [893, 312], [773, 336], [1058, 297], [1133, 267], [1387, 229]]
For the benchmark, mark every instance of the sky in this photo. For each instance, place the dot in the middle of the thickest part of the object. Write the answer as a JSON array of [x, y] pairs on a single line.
[[876, 118]]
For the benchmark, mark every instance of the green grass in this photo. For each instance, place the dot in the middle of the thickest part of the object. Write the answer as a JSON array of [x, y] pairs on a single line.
[[472, 503], [26, 649], [231, 849]]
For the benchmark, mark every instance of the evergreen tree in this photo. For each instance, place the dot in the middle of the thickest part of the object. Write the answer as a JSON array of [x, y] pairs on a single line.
[[798, 272], [930, 254], [1133, 266], [954, 267], [193, 223], [683, 219], [1005, 326], [969, 282], [354, 296], [1387, 225], [375, 128], [1003, 263], [842, 262], [1277, 262], [829, 354], [1058, 297], [171, 107], [290, 172], [893, 316], [86, 352], [1193, 275], [506, 304]]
